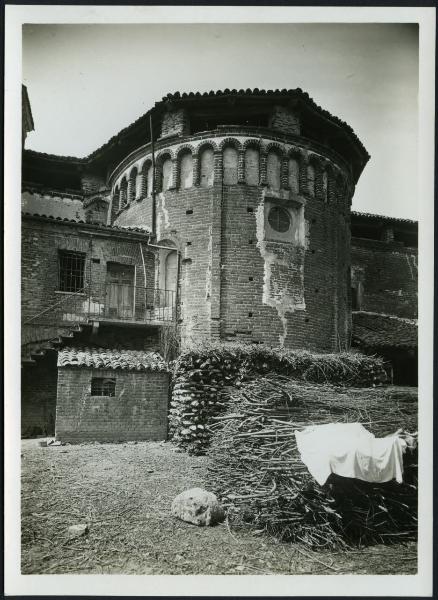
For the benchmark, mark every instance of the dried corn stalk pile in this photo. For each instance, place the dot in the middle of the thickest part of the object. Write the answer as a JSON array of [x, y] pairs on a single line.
[[257, 471], [201, 376]]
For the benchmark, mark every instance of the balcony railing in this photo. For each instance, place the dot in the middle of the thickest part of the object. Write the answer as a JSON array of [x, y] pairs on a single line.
[[111, 302]]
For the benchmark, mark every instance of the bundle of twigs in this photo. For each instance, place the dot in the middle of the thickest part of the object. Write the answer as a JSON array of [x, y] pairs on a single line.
[[257, 471], [201, 376]]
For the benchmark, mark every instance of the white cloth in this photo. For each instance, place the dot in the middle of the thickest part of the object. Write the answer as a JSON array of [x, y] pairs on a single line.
[[349, 450]]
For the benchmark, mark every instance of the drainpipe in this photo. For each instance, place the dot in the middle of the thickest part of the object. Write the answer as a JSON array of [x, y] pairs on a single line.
[[142, 260], [110, 210], [178, 271], [90, 245], [154, 206]]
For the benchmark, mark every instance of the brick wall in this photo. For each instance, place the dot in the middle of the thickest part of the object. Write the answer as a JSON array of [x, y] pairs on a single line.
[[41, 242], [38, 397], [138, 411], [53, 205], [284, 120], [276, 292], [233, 284], [175, 122], [388, 275], [91, 182]]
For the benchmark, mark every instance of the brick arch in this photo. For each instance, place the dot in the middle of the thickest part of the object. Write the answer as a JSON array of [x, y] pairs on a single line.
[[159, 162], [115, 205], [163, 154], [331, 185], [143, 171], [252, 143], [184, 150], [132, 180], [274, 147], [231, 172], [296, 186], [316, 161], [123, 198], [206, 145], [296, 153], [230, 141], [251, 170], [340, 187], [275, 179], [145, 165], [208, 179], [170, 240]]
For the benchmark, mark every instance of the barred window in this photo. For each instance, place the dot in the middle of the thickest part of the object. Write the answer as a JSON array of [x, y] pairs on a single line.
[[102, 386], [71, 271]]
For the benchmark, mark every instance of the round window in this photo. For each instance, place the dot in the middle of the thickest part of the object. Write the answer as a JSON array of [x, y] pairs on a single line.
[[279, 219]]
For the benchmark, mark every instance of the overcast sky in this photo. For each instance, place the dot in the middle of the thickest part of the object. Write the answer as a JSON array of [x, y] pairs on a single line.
[[85, 83]]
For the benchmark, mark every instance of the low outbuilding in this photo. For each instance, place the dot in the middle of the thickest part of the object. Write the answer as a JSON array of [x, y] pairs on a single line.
[[111, 395]]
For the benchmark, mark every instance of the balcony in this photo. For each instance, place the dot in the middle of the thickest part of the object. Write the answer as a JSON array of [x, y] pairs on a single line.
[[111, 303]]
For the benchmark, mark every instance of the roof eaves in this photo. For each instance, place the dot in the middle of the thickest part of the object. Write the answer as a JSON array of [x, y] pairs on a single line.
[[375, 217], [96, 226]]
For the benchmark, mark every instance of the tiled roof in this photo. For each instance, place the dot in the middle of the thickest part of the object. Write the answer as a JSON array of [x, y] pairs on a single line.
[[295, 93], [373, 217], [103, 358], [375, 330], [143, 120], [120, 228], [55, 157]]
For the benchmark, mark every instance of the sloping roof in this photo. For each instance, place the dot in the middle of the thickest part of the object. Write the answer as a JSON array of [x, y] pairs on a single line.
[[143, 121], [374, 217], [103, 358], [375, 330], [116, 228], [297, 93]]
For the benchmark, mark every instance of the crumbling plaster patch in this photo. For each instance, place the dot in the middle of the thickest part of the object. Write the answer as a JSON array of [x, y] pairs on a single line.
[[163, 215], [208, 272], [281, 297]]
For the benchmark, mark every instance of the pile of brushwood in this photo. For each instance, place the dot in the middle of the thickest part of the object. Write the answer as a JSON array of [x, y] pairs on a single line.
[[201, 377], [257, 471]]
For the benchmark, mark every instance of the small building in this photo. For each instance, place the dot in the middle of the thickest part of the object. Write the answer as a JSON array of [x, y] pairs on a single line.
[[111, 395], [384, 290], [391, 337], [224, 216]]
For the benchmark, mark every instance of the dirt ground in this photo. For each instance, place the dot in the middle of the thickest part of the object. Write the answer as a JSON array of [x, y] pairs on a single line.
[[124, 492]]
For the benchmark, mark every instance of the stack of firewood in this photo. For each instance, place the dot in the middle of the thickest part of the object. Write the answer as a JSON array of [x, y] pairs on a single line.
[[258, 473], [201, 376], [198, 395]]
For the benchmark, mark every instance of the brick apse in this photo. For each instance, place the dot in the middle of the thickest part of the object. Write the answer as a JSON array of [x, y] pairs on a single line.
[[234, 207]]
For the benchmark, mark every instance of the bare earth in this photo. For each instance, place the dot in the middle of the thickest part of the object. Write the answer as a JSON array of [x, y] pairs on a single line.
[[124, 492]]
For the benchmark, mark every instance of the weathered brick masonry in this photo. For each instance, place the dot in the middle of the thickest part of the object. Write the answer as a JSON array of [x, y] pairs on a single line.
[[38, 397], [250, 205], [42, 239], [388, 274], [137, 411]]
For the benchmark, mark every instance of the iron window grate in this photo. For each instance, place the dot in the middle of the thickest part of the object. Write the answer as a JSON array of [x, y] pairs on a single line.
[[71, 271], [102, 386]]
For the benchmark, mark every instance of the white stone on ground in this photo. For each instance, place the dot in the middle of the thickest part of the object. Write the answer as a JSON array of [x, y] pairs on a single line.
[[199, 507], [78, 530]]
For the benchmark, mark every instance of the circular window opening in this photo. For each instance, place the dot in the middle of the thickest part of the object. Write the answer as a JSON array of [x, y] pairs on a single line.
[[279, 219]]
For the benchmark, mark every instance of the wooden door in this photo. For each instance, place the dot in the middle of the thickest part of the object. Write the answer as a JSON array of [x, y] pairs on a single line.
[[120, 291]]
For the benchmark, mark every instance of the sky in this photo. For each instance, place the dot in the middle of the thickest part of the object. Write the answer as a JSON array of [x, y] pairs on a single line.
[[87, 82]]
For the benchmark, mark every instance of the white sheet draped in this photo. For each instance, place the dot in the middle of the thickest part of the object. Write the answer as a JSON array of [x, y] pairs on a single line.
[[349, 450]]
